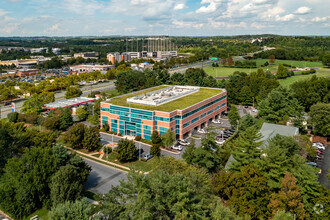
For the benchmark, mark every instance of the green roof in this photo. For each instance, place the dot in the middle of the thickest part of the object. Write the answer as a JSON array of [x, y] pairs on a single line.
[[181, 103]]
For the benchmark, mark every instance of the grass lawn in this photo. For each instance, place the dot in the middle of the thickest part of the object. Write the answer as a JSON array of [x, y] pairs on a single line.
[[112, 92], [180, 103], [144, 166], [288, 81], [42, 214], [227, 71]]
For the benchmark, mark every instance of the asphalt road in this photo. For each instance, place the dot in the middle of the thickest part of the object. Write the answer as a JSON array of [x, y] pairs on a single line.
[[323, 179], [144, 147], [5, 110], [102, 178]]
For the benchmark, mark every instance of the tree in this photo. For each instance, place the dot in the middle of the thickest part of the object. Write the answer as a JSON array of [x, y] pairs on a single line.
[[126, 150], [155, 138], [24, 186], [92, 139], [326, 60], [52, 123], [246, 149], [168, 138], [13, 117], [272, 59], [233, 115], [35, 103], [203, 156], [230, 61], [65, 186], [281, 72], [282, 215], [72, 92], [247, 191], [6, 145], [277, 159], [81, 113], [75, 136], [44, 139], [320, 118], [66, 118], [155, 150], [246, 121], [79, 209], [279, 105], [25, 87], [185, 193], [289, 198]]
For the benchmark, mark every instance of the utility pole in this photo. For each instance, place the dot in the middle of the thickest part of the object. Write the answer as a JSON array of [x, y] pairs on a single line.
[[253, 101]]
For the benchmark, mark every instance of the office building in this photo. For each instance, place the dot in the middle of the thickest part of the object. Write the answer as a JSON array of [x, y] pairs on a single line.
[[86, 55], [90, 68], [183, 109]]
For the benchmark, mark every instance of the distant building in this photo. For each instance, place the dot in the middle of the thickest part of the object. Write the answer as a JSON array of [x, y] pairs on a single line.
[[26, 72], [86, 55], [89, 68], [24, 63], [56, 51], [142, 66], [39, 50], [69, 103]]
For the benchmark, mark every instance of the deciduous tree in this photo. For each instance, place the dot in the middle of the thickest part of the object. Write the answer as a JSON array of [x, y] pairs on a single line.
[[126, 150]]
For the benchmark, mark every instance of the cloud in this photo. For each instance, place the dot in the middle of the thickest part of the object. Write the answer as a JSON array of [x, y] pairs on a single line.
[[3, 12], [287, 17], [179, 7], [129, 29], [227, 25], [13, 1], [303, 10], [186, 24], [320, 19], [212, 7], [52, 29]]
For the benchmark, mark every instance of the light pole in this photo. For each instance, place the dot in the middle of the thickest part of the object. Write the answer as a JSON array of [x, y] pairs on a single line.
[[139, 150], [253, 101]]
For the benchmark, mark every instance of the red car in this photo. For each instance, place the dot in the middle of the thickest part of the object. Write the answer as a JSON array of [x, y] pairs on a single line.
[[319, 152]]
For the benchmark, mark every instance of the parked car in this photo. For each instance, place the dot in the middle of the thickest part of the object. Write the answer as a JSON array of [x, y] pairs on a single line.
[[255, 110], [183, 142], [319, 146], [177, 147], [147, 156], [319, 157], [220, 142], [202, 131], [313, 164], [319, 152]]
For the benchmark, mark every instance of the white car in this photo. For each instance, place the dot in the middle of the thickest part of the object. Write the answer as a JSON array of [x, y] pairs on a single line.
[[216, 121], [183, 142], [202, 131], [177, 147], [255, 110], [319, 146], [220, 142]]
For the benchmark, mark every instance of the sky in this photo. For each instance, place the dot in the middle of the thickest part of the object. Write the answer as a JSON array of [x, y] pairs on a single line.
[[163, 17]]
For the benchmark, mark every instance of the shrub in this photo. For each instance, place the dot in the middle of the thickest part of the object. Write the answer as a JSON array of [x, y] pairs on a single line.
[[144, 160], [30, 118], [109, 150], [138, 138], [120, 134], [13, 117], [146, 141]]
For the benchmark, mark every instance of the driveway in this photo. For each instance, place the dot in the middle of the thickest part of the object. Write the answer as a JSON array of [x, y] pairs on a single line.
[[144, 147], [102, 178], [325, 166]]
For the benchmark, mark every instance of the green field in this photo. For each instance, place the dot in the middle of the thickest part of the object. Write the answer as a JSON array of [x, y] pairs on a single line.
[[227, 71], [181, 103], [288, 81]]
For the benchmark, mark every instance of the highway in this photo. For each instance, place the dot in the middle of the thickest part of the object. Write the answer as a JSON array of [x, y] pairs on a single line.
[[59, 95]]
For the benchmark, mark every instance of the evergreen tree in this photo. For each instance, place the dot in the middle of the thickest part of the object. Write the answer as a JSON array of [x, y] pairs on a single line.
[[320, 117], [126, 150], [75, 136], [155, 150], [281, 72], [155, 138], [289, 198], [246, 121], [246, 148], [233, 115]]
